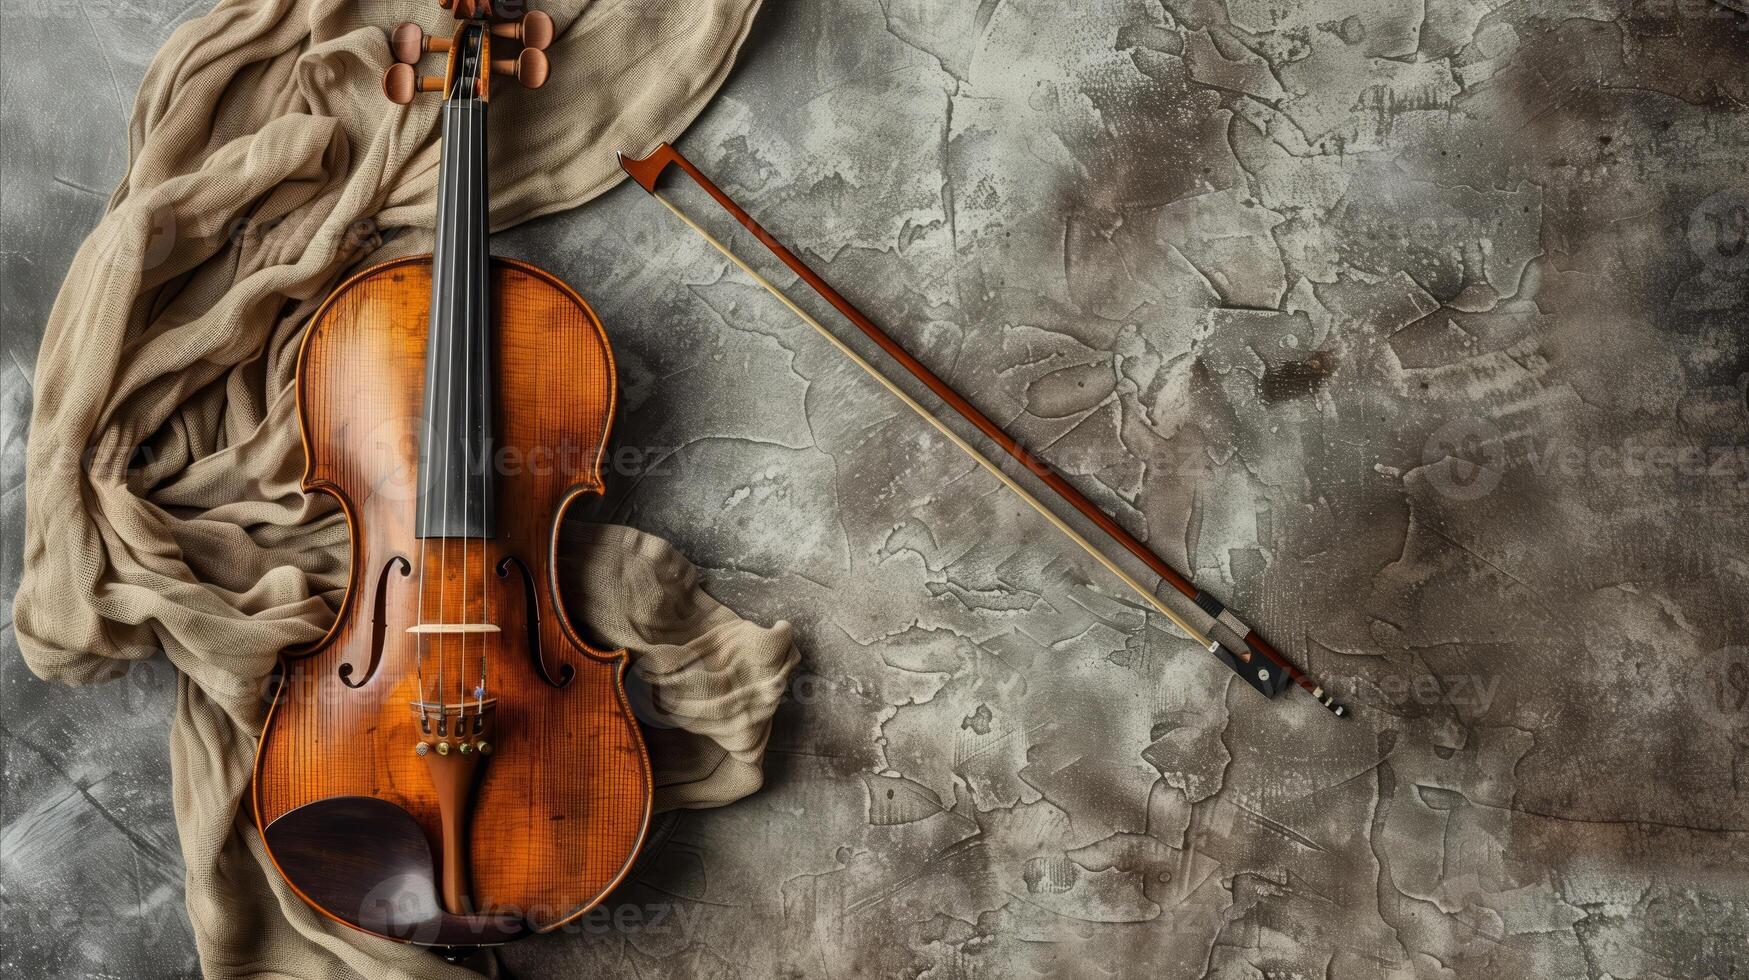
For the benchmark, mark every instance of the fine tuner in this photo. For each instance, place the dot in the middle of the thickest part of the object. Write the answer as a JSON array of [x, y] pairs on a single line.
[[409, 43]]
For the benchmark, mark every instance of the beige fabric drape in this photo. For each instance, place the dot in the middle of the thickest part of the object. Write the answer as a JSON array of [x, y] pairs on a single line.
[[163, 501]]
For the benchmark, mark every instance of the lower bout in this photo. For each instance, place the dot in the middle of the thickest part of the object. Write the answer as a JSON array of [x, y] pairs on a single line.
[[379, 830]]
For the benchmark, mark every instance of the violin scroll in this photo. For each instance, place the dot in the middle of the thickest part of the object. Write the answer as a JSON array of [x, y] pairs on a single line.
[[467, 9], [409, 44]]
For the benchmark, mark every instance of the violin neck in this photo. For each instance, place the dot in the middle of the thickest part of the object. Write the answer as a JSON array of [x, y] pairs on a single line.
[[457, 495]]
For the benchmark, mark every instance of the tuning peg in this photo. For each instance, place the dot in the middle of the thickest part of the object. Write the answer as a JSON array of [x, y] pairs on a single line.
[[529, 67], [534, 30], [401, 83], [409, 43], [467, 9]]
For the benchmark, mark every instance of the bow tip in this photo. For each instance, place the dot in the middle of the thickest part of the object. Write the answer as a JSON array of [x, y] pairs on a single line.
[[646, 170]]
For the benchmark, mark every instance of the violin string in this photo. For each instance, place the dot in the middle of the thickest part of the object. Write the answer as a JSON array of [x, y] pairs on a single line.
[[473, 294], [468, 327], [1020, 491], [478, 235], [483, 270]]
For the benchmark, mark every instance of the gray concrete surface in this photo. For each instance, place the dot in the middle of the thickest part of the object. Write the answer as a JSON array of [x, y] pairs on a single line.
[[1414, 329]]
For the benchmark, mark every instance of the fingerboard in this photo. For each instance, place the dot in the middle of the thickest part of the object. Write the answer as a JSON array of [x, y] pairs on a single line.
[[457, 494]]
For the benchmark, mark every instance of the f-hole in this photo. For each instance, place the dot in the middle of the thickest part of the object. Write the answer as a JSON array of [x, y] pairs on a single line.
[[531, 602], [379, 623]]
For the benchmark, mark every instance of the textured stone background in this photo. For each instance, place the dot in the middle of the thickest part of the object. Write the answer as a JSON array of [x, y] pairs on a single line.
[[1413, 329]]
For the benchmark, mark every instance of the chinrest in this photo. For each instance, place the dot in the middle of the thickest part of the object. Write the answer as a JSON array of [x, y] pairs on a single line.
[[366, 862]]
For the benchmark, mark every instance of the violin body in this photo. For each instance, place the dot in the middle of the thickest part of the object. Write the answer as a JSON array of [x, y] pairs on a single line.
[[540, 796]]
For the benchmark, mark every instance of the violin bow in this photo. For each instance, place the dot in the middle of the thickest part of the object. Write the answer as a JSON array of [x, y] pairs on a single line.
[[1227, 637]]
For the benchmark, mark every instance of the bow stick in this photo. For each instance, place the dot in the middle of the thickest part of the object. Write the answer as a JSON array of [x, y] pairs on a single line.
[[1233, 642]]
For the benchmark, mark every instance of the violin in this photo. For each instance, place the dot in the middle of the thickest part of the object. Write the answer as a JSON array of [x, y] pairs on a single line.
[[453, 765]]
